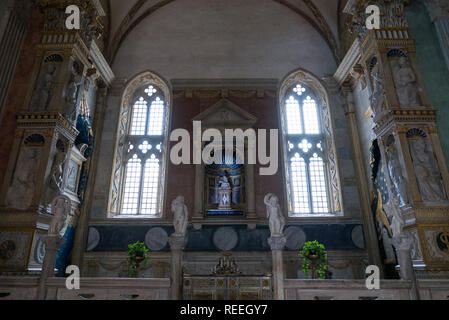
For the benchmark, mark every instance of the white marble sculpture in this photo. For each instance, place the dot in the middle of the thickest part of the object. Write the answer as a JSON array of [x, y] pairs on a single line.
[[394, 213], [406, 85], [71, 94], [377, 97], [274, 214], [224, 193], [396, 177], [180, 216], [56, 174], [45, 90], [20, 193], [427, 173], [60, 209]]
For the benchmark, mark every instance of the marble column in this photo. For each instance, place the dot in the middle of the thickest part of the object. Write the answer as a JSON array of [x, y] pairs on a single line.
[[52, 244], [403, 245], [369, 223], [177, 244], [277, 245]]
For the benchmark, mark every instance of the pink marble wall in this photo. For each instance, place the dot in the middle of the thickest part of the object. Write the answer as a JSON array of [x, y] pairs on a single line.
[[18, 89], [181, 179]]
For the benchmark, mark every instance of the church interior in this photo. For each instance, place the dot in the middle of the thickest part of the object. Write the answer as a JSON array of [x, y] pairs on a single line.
[[224, 150]]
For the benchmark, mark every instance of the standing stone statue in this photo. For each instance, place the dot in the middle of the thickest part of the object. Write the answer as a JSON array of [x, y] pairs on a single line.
[[427, 174], [20, 193], [71, 94], [274, 214], [56, 175], [396, 177], [406, 86], [60, 209], [377, 97], [394, 213], [45, 91], [180, 216]]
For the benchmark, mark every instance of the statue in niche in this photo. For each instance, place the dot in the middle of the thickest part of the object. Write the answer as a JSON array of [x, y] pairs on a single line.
[[180, 216], [396, 177], [377, 97], [60, 209], [45, 91], [395, 215], [406, 86], [20, 193], [56, 174], [275, 217], [427, 173], [224, 193], [71, 93]]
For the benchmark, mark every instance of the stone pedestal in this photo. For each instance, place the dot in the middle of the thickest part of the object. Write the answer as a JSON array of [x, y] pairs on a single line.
[[277, 245], [403, 245], [52, 244], [177, 244]]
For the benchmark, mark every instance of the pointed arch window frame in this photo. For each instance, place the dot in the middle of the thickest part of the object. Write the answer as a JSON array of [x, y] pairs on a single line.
[[133, 90], [318, 92]]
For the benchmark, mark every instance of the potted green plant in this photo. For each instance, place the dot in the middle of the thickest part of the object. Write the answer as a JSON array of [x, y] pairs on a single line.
[[137, 254], [314, 258]]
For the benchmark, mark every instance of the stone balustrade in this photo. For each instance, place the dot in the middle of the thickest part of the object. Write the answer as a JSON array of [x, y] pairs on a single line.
[[20, 288], [297, 289], [25, 288]]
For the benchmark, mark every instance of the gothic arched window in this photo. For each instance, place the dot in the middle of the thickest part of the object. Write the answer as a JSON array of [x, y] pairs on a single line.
[[137, 187], [308, 147]]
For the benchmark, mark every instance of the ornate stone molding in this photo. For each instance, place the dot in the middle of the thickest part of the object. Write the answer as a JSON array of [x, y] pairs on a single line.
[[277, 243], [143, 79], [392, 15], [321, 93]]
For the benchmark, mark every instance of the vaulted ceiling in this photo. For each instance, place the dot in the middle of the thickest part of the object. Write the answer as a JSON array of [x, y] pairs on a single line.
[[126, 17]]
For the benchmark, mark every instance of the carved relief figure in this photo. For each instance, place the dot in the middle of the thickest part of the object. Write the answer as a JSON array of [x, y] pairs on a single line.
[[71, 94], [180, 216], [396, 177], [377, 96], [46, 86], [60, 209], [395, 215], [406, 86], [56, 174], [20, 193], [427, 173], [275, 217]]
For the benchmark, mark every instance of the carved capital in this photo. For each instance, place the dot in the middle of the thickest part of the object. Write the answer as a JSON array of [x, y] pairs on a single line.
[[177, 242], [277, 243]]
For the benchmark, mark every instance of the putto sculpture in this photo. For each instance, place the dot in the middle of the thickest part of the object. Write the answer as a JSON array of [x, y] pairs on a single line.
[[180, 216], [274, 214]]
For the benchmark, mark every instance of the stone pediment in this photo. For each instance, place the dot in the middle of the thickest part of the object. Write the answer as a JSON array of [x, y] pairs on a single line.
[[225, 114]]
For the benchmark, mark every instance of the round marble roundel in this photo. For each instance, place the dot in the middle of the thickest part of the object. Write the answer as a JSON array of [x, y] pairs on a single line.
[[357, 237], [225, 238], [156, 239], [93, 239], [295, 238]]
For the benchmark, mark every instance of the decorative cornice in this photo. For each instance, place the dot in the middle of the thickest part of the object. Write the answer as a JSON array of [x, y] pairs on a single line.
[[101, 64], [351, 58]]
